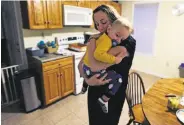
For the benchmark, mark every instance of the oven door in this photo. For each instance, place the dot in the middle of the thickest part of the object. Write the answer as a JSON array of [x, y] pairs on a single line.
[[78, 79]]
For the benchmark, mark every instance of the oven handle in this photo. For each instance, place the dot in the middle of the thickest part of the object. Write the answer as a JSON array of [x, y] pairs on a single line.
[[78, 58]]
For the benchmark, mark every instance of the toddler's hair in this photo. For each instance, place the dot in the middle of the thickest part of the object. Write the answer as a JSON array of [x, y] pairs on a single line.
[[122, 21]]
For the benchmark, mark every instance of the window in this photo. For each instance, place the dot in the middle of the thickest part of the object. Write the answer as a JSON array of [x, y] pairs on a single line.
[[145, 18]]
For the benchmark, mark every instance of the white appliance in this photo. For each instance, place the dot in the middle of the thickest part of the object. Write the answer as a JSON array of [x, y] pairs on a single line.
[[64, 40], [77, 16]]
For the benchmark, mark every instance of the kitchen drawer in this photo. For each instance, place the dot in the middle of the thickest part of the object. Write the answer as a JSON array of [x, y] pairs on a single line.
[[57, 63], [65, 61], [50, 67], [50, 63]]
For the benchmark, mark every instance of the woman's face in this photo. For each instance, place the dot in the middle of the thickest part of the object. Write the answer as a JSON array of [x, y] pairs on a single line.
[[101, 21]]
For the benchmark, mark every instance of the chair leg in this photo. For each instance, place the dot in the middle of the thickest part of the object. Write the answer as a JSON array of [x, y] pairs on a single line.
[[145, 122], [130, 121]]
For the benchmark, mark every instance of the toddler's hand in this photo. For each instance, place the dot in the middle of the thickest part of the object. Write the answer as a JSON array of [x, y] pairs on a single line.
[[118, 59]]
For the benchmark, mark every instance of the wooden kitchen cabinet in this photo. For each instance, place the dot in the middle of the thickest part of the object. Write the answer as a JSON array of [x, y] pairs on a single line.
[[54, 12], [58, 79], [67, 76], [94, 5], [84, 3], [72, 3], [117, 6], [41, 14], [34, 14], [52, 85], [47, 14]]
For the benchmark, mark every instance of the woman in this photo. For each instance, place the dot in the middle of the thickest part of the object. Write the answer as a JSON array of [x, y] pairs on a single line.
[[103, 16]]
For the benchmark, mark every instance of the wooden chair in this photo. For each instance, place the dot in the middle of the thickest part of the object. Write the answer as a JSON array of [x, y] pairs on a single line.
[[134, 93]]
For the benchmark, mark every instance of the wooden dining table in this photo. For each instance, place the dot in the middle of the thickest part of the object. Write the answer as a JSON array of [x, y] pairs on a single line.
[[154, 102]]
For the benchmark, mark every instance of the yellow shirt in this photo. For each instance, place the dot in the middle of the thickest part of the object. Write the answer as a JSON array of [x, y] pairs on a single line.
[[103, 44]]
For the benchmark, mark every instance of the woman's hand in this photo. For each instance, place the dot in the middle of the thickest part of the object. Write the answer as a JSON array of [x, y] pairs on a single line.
[[95, 81]]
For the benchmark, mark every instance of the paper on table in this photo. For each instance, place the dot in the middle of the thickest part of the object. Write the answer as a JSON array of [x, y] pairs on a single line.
[[182, 101]]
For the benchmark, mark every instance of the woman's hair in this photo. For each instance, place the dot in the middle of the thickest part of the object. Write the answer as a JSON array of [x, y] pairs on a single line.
[[122, 21], [109, 11]]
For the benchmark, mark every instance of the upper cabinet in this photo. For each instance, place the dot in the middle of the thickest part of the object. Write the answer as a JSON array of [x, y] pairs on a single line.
[[54, 12], [84, 4], [94, 5], [41, 14], [34, 14], [116, 6], [72, 3]]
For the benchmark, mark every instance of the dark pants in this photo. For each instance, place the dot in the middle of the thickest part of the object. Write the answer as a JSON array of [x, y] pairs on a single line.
[[96, 115], [112, 87]]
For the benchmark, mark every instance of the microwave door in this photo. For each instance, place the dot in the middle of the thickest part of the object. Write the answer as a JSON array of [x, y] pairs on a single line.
[[76, 18]]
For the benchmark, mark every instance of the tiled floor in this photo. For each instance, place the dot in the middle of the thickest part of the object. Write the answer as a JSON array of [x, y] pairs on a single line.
[[69, 111]]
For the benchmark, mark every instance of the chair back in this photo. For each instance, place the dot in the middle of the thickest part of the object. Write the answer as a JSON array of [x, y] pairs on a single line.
[[135, 89]]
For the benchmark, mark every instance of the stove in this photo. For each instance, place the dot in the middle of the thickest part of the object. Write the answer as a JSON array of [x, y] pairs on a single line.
[[63, 41]]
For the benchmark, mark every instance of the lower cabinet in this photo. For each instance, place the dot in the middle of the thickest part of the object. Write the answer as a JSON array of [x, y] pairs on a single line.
[[52, 85], [67, 77], [58, 79]]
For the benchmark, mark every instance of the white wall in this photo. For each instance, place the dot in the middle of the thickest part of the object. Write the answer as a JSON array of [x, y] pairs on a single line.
[[32, 37], [169, 42]]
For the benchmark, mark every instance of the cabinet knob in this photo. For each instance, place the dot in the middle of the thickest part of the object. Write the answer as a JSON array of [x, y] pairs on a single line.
[[45, 22]]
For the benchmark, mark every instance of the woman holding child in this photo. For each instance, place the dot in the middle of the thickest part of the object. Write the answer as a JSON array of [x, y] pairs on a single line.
[[121, 56]]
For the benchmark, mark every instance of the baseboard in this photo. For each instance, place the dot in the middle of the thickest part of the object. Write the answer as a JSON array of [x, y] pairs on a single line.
[[151, 73]]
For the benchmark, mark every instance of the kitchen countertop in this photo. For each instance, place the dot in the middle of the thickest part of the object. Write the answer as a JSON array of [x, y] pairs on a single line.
[[51, 56]]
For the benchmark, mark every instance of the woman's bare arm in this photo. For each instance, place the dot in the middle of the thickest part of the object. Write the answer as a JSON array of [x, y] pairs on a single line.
[[95, 65]]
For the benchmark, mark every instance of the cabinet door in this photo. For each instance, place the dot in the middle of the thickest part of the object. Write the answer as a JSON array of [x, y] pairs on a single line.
[[37, 14], [52, 85], [94, 5], [54, 14], [67, 74], [104, 2], [84, 3], [117, 6], [72, 3]]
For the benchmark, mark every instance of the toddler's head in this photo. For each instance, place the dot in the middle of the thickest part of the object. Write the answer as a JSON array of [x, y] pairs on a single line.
[[120, 29]]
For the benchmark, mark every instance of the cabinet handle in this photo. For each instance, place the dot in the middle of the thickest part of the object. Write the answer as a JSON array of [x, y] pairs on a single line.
[[48, 22], [45, 22]]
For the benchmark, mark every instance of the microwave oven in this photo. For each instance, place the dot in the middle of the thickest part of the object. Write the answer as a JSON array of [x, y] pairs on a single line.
[[77, 16]]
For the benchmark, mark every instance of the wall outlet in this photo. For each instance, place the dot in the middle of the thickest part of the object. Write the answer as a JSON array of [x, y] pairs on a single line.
[[167, 64]]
